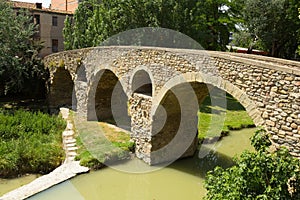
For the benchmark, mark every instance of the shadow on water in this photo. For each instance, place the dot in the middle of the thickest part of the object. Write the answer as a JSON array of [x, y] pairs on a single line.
[[200, 166]]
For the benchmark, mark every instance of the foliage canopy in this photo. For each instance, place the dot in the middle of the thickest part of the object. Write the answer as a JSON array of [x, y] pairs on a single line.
[[207, 22], [20, 66], [257, 175], [271, 25]]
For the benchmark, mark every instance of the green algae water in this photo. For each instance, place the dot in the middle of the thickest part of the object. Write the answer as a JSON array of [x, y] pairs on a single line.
[[184, 179], [7, 185]]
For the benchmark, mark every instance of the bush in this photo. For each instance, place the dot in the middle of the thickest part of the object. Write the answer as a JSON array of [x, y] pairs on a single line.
[[257, 175], [29, 142]]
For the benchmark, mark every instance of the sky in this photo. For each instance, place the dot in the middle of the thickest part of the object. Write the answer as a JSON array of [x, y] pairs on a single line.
[[46, 3]]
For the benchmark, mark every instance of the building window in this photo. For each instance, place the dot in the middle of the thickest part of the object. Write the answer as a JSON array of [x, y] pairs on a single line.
[[54, 21], [36, 19], [54, 46]]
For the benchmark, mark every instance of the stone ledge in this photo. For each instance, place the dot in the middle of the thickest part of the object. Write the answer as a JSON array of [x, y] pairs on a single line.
[[60, 174]]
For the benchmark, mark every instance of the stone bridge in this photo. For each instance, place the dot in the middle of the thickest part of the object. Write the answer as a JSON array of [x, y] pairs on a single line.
[[156, 92]]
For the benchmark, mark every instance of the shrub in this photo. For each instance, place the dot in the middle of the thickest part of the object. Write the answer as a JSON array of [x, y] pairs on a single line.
[[257, 175], [29, 142]]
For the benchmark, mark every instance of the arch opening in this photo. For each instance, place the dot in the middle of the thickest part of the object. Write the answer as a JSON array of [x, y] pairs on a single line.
[[111, 101], [141, 83], [188, 117], [176, 135], [61, 89]]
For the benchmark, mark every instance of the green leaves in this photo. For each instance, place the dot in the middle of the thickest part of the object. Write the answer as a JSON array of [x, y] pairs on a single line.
[[257, 175], [204, 21], [260, 141], [19, 61], [274, 23]]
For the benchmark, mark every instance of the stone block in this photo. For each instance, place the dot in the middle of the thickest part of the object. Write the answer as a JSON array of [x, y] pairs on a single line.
[[294, 126], [286, 128], [270, 123]]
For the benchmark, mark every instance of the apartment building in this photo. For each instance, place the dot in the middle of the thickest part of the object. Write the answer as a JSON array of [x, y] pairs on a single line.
[[51, 24]]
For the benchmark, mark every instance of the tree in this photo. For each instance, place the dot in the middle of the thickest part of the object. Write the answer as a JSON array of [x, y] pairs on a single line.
[[257, 175], [20, 66], [214, 20], [274, 23], [205, 21]]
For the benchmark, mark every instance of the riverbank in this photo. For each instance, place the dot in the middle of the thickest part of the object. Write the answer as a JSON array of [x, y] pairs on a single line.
[[67, 170], [101, 144], [213, 119]]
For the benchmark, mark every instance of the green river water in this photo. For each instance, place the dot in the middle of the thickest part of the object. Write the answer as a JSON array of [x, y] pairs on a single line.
[[184, 179]]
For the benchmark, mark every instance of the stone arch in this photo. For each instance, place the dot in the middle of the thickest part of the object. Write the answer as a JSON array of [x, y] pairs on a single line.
[[214, 81], [61, 89], [174, 114], [142, 81], [107, 100]]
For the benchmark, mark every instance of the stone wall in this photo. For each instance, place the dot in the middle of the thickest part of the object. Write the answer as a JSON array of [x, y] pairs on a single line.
[[276, 95], [141, 123]]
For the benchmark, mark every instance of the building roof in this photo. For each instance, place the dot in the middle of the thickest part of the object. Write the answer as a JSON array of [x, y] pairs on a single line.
[[33, 6]]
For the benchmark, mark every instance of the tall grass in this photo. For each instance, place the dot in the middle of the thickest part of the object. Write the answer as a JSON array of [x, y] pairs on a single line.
[[29, 142]]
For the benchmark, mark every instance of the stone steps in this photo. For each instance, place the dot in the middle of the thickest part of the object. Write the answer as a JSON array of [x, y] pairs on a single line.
[[70, 144], [70, 140], [72, 155], [72, 148], [68, 133]]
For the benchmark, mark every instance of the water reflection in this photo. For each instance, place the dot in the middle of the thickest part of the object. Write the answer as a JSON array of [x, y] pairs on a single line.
[[200, 166]]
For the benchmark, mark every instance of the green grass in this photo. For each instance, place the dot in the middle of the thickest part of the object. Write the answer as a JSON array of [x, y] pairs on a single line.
[[100, 144], [231, 117], [30, 142]]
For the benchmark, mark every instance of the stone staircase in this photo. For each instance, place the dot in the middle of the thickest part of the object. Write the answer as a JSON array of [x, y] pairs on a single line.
[[68, 136]]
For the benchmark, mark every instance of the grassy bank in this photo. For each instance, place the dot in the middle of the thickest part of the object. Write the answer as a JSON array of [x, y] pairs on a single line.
[[30, 142], [101, 143], [232, 116]]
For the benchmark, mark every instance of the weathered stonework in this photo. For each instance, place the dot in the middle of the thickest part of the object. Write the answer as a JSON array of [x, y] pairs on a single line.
[[140, 112], [268, 88]]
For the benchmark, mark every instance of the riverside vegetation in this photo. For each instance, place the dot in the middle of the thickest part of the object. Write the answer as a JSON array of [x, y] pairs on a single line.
[[30, 142], [263, 174]]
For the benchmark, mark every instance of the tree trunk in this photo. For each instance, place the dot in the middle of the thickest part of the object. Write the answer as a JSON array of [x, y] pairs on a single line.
[[275, 48]]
